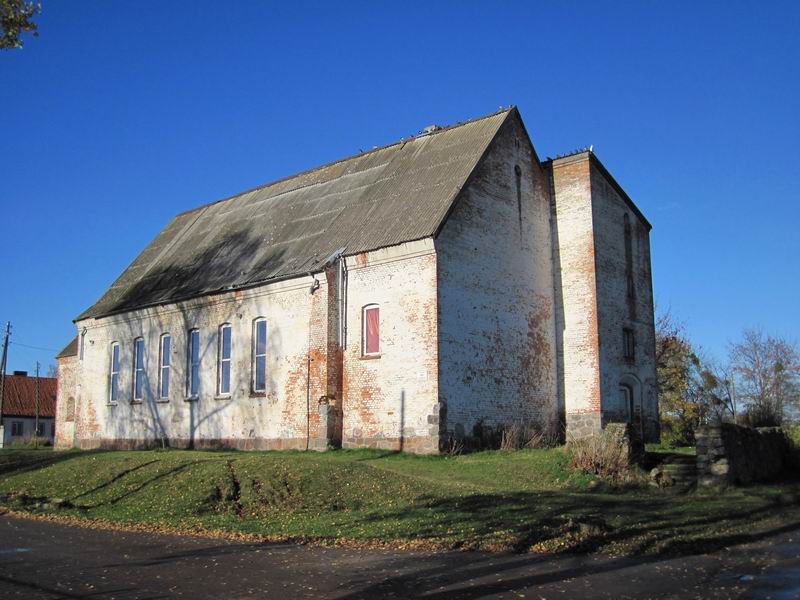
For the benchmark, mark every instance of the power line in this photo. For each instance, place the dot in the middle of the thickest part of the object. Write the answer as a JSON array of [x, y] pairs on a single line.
[[33, 347]]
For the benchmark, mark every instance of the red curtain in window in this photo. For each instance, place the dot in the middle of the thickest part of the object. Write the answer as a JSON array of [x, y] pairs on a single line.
[[373, 331]]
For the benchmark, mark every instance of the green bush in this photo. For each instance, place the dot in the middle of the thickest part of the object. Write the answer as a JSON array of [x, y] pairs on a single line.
[[794, 434], [676, 433]]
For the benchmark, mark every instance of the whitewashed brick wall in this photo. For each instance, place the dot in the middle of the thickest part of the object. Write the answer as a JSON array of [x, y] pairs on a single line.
[[388, 400], [496, 319], [609, 210]]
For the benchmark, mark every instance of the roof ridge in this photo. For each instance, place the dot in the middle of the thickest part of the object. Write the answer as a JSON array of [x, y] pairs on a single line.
[[346, 158]]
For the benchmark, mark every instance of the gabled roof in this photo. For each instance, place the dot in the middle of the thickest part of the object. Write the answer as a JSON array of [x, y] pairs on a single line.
[[390, 195], [19, 396], [70, 349]]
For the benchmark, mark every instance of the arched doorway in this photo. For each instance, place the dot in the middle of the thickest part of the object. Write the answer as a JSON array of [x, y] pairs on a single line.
[[626, 400], [630, 401]]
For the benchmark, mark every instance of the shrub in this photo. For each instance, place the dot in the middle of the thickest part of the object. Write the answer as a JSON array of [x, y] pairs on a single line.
[[605, 454], [454, 447], [526, 435]]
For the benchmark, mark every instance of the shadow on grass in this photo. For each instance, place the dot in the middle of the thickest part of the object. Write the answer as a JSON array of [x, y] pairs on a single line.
[[14, 462], [138, 488], [643, 523], [114, 479]]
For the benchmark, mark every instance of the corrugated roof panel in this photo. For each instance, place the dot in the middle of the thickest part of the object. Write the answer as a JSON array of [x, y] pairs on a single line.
[[380, 198]]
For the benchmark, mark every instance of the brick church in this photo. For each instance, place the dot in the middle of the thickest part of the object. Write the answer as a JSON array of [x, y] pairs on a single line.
[[428, 290]]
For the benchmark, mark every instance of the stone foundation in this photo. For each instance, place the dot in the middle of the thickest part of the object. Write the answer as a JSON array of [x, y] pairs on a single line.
[[201, 444], [580, 425], [626, 436], [416, 444]]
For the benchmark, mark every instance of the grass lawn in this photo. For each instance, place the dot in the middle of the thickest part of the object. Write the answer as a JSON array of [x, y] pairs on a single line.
[[524, 501], [663, 449]]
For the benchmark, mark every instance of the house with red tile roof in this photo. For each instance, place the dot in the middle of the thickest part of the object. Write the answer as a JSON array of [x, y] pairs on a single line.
[[25, 398]]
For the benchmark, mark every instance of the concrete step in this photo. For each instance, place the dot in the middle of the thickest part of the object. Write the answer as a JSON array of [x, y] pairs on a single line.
[[680, 468]]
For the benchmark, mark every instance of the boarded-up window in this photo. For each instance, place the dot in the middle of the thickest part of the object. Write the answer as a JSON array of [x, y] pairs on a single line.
[[371, 334]]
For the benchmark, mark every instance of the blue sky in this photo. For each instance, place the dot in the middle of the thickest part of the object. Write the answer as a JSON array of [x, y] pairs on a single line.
[[122, 114]]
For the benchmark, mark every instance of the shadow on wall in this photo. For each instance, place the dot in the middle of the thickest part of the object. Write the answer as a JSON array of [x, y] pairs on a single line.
[[145, 422], [558, 313]]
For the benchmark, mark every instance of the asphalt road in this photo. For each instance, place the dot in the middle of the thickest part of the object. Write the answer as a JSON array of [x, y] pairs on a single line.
[[46, 560]]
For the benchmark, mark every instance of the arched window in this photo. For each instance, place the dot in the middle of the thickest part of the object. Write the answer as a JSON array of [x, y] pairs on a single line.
[[259, 369], [113, 373], [518, 181], [628, 344], [164, 362], [224, 360], [193, 364], [628, 257], [370, 332], [138, 369]]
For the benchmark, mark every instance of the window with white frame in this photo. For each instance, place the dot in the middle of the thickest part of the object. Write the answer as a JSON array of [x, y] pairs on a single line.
[[260, 355], [164, 366], [193, 364], [371, 339], [138, 369], [224, 360], [113, 375]]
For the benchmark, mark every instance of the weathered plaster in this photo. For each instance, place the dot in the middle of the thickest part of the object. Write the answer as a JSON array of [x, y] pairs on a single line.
[[496, 320]]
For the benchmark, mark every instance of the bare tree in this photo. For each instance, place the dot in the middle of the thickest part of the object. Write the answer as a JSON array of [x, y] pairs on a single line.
[[767, 375]]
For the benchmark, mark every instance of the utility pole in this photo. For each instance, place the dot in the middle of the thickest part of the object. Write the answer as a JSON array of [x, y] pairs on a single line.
[[3, 379], [36, 421]]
